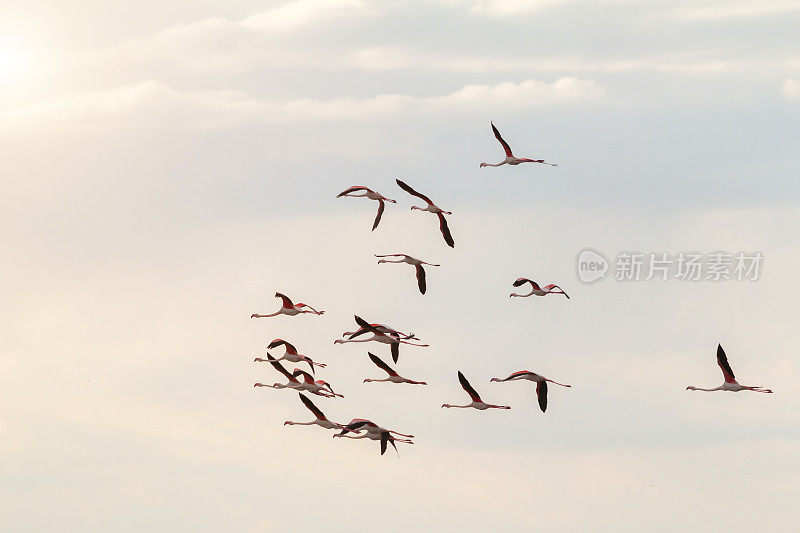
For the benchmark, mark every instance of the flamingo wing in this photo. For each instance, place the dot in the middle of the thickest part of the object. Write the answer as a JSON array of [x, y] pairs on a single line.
[[467, 387], [541, 393], [386, 438], [722, 361], [354, 188], [306, 305], [448, 237], [310, 363], [523, 281], [381, 206], [412, 192], [421, 279], [506, 147], [279, 368], [311, 407], [518, 374], [306, 376], [395, 351], [554, 286], [352, 426], [367, 326], [390, 255], [380, 364], [287, 303], [278, 342]]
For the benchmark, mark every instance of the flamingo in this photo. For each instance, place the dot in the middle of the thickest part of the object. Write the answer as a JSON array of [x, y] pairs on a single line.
[[320, 419], [294, 383], [394, 377], [730, 381], [541, 384], [510, 158], [372, 195], [316, 387], [383, 329], [384, 335], [536, 290], [358, 424], [431, 208], [384, 436], [290, 355], [411, 261], [476, 402], [289, 308]]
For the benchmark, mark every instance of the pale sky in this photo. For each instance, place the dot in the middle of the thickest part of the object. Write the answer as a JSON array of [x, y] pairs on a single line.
[[167, 166]]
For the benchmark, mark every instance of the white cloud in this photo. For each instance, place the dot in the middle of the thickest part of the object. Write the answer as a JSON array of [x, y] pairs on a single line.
[[791, 89], [156, 102], [397, 58], [728, 10], [300, 13]]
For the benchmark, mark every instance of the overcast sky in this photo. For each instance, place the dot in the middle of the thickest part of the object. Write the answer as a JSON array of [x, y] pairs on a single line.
[[168, 166]]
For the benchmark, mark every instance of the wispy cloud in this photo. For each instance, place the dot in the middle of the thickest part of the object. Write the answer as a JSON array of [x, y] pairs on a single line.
[[156, 102]]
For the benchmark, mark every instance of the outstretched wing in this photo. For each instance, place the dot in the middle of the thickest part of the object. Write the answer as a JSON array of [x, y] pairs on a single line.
[[354, 188], [352, 426], [286, 301], [554, 286], [722, 361], [381, 206], [384, 441], [306, 305], [421, 279], [541, 393], [467, 387], [366, 325], [518, 374], [448, 238], [279, 368], [391, 255], [311, 407], [278, 342], [523, 281], [306, 376], [412, 192], [380, 364], [506, 147], [395, 351]]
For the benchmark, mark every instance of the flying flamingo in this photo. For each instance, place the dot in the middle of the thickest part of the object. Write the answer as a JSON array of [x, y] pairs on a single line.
[[359, 424], [383, 329], [385, 336], [536, 290], [316, 387], [411, 261], [320, 419], [510, 159], [476, 402], [394, 377], [541, 384], [294, 383], [290, 355], [431, 208], [288, 308], [367, 193], [730, 381], [384, 436]]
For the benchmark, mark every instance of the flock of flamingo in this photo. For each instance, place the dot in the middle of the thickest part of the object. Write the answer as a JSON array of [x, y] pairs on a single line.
[[359, 428]]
